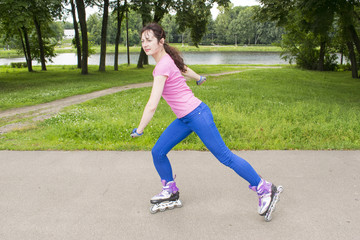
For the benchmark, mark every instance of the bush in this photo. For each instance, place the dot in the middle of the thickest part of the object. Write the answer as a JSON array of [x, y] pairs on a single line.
[[18, 64]]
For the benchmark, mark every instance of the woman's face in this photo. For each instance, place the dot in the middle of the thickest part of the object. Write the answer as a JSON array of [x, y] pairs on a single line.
[[150, 44]]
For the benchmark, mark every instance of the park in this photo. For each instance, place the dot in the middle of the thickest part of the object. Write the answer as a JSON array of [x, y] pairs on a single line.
[[289, 104]]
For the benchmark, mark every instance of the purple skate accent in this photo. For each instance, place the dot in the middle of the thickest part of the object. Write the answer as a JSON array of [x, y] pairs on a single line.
[[262, 189], [170, 186], [163, 182]]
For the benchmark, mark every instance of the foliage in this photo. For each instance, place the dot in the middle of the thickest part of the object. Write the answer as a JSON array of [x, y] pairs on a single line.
[[302, 48], [19, 19], [238, 25], [236, 20], [18, 65], [315, 29]]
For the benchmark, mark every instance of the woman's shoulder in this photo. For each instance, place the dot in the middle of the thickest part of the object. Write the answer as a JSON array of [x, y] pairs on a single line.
[[165, 62]]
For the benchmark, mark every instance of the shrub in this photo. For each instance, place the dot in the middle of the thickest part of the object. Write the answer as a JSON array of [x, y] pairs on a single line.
[[18, 64]]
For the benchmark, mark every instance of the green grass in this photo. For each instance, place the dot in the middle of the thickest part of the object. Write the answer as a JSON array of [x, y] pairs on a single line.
[[259, 109], [19, 88]]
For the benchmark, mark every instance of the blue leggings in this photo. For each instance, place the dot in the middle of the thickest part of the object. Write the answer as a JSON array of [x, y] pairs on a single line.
[[200, 121]]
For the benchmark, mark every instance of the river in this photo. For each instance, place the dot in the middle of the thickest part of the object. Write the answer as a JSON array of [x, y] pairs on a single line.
[[190, 58]]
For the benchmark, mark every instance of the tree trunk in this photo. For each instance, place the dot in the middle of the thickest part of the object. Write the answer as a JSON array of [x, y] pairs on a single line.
[[77, 35], [103, 36], [321, 63], [41, 44], [352, 56], [117, 38], [26, 48], [140, 63], [127, 34], [85, 47], [143, 59], [23, 46], [355, 37]]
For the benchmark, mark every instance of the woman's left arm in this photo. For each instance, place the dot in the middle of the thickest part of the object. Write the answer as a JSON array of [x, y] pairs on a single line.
[[189, 73], [150, 108]]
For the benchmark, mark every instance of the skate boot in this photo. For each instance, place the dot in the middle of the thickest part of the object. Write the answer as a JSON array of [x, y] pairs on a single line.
[[268, 197], [168, 198]]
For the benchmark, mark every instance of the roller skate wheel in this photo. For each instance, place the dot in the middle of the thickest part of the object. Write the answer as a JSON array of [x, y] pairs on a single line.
[[153, 210], [268, 219]]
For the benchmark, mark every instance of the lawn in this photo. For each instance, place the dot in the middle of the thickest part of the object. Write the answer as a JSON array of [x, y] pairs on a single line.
[[257, 109], [19, 88]]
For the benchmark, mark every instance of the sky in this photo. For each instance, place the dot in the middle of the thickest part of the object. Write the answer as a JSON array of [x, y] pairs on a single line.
[[215, 12]]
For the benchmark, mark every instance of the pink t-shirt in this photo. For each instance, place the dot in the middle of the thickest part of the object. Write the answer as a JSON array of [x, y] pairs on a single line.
[[176, 92]]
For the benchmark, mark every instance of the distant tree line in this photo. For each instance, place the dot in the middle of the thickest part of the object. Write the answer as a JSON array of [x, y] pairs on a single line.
[[232, 26]]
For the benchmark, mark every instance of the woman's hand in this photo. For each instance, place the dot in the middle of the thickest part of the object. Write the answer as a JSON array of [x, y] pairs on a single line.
[[201, 81], [134, 133]]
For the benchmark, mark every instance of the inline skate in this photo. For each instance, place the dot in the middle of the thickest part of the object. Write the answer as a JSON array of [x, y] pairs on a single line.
[[168, 198], [268, 195]]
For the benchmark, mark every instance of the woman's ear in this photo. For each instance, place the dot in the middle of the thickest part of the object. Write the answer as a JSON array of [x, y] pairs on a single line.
[[162, 41]]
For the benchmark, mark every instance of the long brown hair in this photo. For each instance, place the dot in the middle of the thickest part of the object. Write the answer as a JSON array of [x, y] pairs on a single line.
[[159, 33]]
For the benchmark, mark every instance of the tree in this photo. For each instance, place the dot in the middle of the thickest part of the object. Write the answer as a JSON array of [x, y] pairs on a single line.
[[223, 25], [42, 13], [119, 16], [94, 28], [195, 15], [77, 35], [192, 14], [103, 36], [237, 25], [316, 20], [85, 47], [144, 8], [13, 22], [347, 18]]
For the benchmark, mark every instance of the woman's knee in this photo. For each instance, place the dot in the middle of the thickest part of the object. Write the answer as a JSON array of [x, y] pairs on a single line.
[[225, 157], [157, 153]]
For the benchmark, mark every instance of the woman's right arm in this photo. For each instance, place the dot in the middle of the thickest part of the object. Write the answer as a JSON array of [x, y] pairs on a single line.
[[150, 108]]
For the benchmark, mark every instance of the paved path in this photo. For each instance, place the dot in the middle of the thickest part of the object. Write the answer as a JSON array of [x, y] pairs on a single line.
[[105, 195]]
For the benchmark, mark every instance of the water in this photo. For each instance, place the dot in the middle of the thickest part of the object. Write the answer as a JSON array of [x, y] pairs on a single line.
[[190, 58]]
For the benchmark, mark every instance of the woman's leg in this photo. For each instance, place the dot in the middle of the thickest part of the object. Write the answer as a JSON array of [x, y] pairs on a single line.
[[173, 134], [203, 125]]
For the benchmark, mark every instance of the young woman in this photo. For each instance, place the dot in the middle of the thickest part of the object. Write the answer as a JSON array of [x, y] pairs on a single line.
[[192, 116]]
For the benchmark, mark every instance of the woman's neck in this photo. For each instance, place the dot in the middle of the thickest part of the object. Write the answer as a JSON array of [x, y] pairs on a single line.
[[157, 56]]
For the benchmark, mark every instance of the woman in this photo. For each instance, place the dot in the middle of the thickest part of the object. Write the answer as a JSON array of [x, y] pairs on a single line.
[[192, 116]]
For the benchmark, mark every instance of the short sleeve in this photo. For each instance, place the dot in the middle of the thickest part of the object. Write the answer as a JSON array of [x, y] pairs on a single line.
[[163, 68]]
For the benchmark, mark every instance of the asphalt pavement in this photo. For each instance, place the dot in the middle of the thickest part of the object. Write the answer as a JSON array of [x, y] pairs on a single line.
[[105, 195]]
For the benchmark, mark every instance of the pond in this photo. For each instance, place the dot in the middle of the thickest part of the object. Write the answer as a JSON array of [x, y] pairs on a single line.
[[190, 58]]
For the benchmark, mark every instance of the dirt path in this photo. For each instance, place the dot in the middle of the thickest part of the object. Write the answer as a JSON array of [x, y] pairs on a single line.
[[32, 114]]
